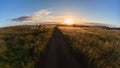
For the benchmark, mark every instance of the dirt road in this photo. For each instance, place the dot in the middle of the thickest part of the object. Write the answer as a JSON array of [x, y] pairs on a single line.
[[57, 54]]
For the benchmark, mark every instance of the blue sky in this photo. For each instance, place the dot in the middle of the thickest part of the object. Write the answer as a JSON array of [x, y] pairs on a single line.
[[97, 11]]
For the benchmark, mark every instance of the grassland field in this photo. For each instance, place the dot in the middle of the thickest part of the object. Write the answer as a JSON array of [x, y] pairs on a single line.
[[22, 46]]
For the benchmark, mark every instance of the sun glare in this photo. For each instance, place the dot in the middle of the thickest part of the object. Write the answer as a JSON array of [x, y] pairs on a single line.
[[69, 21]]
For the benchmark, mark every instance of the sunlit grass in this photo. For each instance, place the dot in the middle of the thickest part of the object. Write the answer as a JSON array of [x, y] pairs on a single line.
[[100, 47]]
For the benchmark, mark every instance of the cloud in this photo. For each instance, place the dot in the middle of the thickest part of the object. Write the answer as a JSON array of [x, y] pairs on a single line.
[[21, 19], [40, 16], [42, 12]]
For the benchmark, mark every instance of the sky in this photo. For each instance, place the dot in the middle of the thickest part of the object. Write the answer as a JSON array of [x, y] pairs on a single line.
[[20, 12]]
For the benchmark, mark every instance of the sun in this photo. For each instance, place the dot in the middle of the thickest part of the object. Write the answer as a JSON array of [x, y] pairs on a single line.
[[69, 21]]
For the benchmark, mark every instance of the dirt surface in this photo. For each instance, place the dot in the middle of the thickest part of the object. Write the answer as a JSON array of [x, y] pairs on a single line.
[[57, 54]]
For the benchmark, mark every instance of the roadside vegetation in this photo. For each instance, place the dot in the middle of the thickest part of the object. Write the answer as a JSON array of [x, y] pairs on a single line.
[[99, 48], [22, 46]]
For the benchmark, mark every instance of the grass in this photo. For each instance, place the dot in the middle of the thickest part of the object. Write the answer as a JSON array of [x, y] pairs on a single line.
[[22, 46], [99, 47]]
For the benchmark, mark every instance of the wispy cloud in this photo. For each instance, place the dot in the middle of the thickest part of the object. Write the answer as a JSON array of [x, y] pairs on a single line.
[[40, 16]]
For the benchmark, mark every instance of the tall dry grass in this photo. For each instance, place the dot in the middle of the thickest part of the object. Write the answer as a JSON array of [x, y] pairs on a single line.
[[100, 47]]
